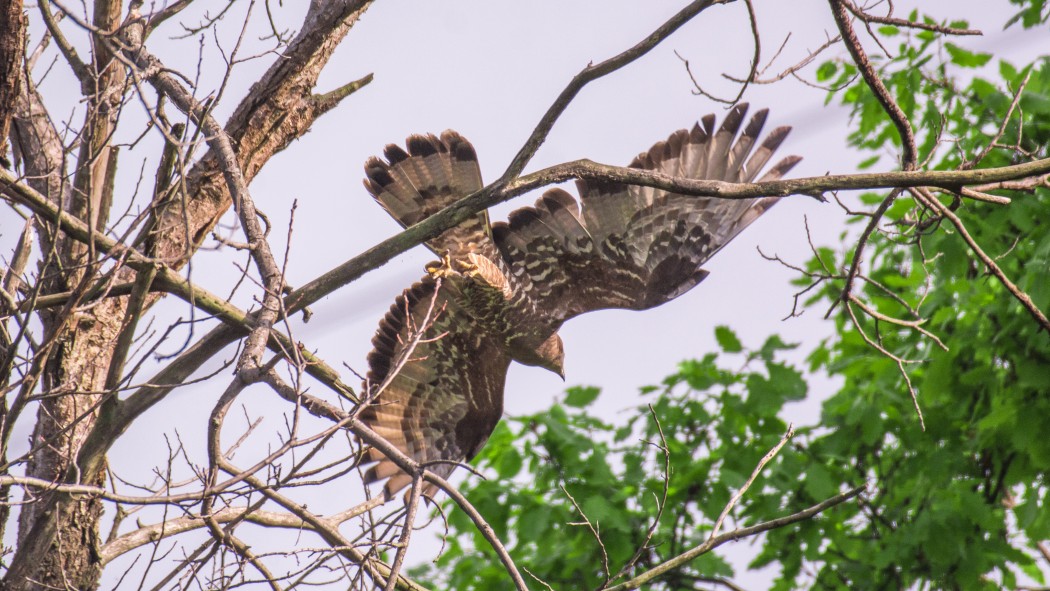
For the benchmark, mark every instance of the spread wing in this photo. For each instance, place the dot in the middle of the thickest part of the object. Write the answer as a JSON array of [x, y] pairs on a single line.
[[637, 247], [437, 377]]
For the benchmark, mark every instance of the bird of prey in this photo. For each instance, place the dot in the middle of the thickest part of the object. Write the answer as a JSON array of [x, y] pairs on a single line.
[[501, 291]]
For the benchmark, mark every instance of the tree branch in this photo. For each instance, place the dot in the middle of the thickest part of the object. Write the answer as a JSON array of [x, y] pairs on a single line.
[[744, 532], [585, 169], [1026, 301], [172, 527], [909, 155]]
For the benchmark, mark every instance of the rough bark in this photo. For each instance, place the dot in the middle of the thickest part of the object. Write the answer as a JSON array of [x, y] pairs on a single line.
[[278, 109], [12, 47], [75, 373]]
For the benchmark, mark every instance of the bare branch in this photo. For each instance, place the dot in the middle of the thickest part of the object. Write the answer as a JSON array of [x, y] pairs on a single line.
[[874, 82], [594, 532], [661, 503], [736, 534], [744, 82], [80, 69], [491, 195], [406, 533], [793, 69], [904, 23], [900, 121], [754, 474]]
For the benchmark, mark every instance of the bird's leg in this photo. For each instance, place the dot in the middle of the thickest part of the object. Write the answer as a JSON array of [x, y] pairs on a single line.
[[468, 266], [439, 269]]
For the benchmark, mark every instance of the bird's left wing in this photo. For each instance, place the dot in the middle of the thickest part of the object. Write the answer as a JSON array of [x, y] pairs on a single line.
[[636, 247], [436, 378]]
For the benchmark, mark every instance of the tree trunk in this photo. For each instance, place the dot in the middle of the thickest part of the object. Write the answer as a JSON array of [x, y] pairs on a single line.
[[77, 365], [12, 47]]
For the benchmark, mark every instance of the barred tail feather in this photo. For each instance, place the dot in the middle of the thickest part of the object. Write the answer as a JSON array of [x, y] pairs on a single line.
[[434, 172]]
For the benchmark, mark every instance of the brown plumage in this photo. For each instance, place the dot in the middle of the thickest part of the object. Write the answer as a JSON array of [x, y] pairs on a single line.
[[441, 354]]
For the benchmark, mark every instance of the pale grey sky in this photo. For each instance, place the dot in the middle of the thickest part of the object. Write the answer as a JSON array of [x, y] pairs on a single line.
[[490, 70]]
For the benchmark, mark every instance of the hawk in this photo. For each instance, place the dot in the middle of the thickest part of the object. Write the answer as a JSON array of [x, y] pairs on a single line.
[[501, 291]]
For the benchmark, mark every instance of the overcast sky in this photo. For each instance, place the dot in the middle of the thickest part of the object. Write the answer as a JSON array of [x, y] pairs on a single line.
[[489, 70]]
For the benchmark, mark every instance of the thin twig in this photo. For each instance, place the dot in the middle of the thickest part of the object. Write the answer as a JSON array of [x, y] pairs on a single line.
[[754, 475], [744, 82], [594, 532], [909, 153], [1002, 126], [661, 503], [793, 69], [915, 324], [593, 72], [904, 23]]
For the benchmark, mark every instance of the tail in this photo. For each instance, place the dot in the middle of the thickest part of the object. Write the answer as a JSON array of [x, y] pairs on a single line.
[[434, 173]]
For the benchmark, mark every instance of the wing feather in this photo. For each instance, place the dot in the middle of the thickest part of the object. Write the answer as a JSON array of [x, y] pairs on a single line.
[[439, 400], [638, 247]]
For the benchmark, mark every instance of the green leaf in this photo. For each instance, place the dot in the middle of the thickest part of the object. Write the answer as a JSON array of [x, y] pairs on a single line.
[[819, 482], [700, 374], [788, 381], [826, 71], [728, 340], [868, 162], [622, 433], [966, 58], [1032, 570], [983, 89], [536, 527], [773, 345], [581, 396], [1007, 71], [508, 463], [599, 510]]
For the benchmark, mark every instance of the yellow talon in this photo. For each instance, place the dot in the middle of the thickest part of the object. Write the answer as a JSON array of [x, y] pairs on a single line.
[[467, 267], [439, 269]]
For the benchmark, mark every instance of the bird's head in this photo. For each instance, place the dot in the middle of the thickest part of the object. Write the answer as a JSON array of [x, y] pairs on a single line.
[[549, 354], [552, 355]]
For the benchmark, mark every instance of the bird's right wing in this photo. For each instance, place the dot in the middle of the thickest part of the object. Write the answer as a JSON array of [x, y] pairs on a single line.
[[436, 378]]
